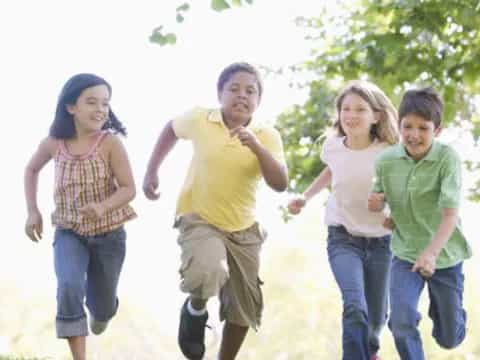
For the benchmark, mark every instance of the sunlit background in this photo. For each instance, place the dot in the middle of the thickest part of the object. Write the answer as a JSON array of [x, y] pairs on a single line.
[[42, 44]]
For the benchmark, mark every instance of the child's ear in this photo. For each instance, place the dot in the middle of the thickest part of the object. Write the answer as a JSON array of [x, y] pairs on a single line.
[[437, 131], [70, 108]]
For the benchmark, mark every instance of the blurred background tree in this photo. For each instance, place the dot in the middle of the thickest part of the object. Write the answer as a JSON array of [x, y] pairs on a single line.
[[398, 44]]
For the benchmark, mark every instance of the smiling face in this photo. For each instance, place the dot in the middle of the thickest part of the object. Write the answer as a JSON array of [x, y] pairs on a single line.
[[417, 135], [356, 116], [90, 111], [239, 98]]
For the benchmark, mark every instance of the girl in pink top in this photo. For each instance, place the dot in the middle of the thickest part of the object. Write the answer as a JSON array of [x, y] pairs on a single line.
[[358, 243], [92, 191]]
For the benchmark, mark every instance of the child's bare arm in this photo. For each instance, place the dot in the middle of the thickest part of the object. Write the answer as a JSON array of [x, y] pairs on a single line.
[[321, 181], [273, 171], [43, 154], [166, 141], [425, 263]]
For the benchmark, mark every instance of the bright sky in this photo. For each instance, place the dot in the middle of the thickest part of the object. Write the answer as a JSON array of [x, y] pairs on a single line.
[[43, 43]]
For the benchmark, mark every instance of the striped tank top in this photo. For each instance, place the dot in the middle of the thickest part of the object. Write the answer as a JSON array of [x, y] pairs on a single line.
[[84, 179]]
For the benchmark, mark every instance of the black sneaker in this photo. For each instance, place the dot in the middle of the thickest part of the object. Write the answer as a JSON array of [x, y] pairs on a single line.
[[191, 333]]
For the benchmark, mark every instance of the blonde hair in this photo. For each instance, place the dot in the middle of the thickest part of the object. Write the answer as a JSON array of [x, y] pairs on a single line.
[[386, 129]]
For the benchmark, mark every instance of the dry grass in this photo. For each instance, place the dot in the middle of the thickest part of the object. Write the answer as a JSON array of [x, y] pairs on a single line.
[[302, 318]]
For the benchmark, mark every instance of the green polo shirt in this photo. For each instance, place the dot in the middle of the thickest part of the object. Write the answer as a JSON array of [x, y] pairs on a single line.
[[416, 192]]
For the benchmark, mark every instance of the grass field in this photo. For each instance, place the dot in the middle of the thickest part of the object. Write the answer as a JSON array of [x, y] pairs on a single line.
[[302, 317]]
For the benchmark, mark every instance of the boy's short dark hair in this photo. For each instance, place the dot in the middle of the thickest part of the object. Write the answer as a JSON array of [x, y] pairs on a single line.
[[423, 102], [236, 67]]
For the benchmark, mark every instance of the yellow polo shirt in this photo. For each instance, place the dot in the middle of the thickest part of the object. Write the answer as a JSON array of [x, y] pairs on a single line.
[[223, 177]]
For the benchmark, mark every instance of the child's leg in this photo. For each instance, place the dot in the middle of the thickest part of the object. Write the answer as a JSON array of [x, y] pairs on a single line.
[[377, 280], [107, 253], [78, 347], [346, 257], [232, 339], [405, 289], [241, 298], [204, 271], [204, 268], [446, 310], [71, 260]]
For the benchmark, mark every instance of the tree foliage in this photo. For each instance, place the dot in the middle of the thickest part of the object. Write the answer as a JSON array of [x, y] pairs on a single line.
[[396, 44], [162, 38]]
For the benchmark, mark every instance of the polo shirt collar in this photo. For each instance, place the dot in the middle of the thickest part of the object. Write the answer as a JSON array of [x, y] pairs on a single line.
[[433, 153], [216, 117]]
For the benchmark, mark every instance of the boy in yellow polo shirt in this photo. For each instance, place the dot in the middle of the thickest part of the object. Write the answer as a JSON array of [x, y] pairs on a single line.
[[218, 235]]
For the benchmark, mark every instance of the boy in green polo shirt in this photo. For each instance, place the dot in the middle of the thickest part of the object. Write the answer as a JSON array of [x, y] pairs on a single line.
[[420, 179]]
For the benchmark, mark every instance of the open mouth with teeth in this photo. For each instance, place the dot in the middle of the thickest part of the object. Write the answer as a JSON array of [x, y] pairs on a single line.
[[241, 106]]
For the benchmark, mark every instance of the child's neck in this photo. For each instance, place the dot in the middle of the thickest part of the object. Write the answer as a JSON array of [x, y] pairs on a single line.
[[358, 143], [81, 143], [234, 123]]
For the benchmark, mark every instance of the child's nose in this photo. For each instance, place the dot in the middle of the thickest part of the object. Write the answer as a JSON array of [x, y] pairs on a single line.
[[242, 93], [101, 108]]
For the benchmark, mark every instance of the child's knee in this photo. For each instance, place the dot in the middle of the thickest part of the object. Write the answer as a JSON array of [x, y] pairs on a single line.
[[204, 279], [451, 339], [354, 314], [404, 321], [449, 343]]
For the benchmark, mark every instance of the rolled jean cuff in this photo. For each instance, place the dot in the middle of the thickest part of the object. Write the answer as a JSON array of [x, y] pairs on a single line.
[[66, 329]]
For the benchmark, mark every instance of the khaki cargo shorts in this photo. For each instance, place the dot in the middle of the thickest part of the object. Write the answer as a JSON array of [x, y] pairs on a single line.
[[217, 262]]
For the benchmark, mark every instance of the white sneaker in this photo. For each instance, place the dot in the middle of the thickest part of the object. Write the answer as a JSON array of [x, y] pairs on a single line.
[[97, 327]]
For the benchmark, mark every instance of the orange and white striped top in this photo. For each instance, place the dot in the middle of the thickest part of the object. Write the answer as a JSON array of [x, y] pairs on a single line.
[[80, 180]]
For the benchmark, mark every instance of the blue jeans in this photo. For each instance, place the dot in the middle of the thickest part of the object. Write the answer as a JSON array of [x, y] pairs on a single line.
[[445, 290], [86, 266], [361, 267]]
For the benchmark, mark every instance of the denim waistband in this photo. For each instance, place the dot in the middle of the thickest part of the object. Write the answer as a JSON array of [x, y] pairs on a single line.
[[360, 237]]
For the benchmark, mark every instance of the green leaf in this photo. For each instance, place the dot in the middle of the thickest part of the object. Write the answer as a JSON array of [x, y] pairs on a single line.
[[183, 7], [162, 39], [219, 5], [180, 18], [171, 38]]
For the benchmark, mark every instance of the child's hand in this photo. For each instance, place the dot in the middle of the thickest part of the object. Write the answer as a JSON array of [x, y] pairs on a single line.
[[93, 211], [150, 186], [388, 223], [376, 202], [296, 205], [425, 264], [34, 226], [246, 137]]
